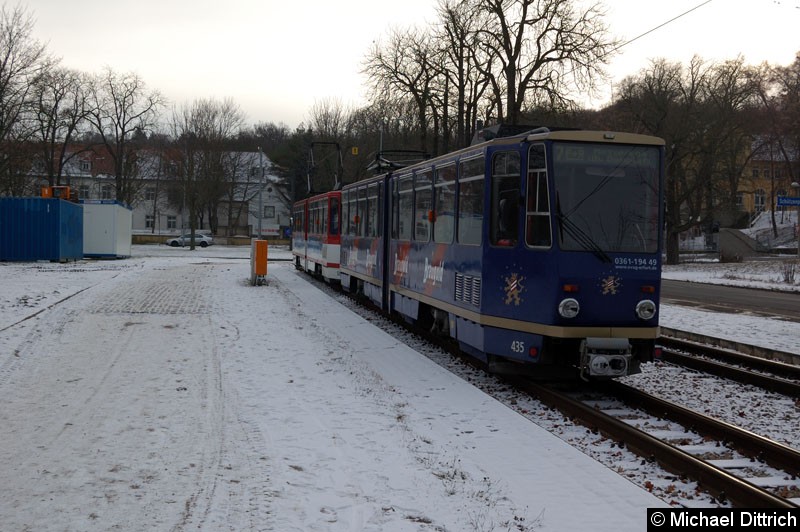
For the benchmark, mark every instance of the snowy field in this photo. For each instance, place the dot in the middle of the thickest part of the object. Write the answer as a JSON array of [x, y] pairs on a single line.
[[162, 392]]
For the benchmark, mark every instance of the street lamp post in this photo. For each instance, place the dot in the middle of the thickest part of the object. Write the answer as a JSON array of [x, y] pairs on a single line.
[[796, 187]]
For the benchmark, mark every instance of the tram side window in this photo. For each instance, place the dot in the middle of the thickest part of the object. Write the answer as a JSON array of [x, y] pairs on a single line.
[[422, 205], [324, 215], [537, 211], [345, 212], [380, 213], [470, 201], [444, 202], [352, 214], [393, 197], [295, 220], [372, 211], [317, 218], [405, 207], [334, 216], [505, 198], [362, 211], [537, 215]]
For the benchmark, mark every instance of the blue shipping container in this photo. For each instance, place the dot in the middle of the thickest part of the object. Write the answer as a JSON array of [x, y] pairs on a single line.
[[40, 229]]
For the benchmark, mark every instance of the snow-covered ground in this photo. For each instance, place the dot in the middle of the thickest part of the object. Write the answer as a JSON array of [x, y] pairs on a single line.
[[761, 274], [163, 392]]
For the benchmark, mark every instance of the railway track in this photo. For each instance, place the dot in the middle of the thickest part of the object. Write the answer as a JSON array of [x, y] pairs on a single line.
[[768, 373], [734, 465]]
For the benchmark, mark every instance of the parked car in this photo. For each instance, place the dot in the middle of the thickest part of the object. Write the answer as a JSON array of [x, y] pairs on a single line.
[[186, 240]]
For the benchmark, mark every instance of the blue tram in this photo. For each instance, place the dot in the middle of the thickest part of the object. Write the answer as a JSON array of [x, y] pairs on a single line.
[[538, 251], [316, 235]]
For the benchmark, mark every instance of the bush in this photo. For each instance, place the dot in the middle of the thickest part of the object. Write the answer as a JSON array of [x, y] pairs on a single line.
[[789, 271]]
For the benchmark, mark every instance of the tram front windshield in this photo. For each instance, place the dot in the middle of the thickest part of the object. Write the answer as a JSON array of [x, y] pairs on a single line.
[[606, 197]]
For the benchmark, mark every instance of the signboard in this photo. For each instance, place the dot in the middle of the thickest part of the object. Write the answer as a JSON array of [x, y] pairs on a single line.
[[788, 201], [270, 230]]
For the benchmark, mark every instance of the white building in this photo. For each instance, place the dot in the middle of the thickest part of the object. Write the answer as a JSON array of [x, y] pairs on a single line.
[[242, 199]]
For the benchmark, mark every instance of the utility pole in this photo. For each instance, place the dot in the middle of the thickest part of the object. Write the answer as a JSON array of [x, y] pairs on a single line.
[[796, 187], [260, 189]]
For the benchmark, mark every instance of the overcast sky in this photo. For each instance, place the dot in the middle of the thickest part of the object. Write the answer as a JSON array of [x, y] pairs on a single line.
[[276, 58]]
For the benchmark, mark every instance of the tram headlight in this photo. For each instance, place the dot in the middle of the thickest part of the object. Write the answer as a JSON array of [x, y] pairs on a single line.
[[569, 308], [645, 309]]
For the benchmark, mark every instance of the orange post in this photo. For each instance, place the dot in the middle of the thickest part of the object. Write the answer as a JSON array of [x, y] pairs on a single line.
[[261, 257], [258, 261]]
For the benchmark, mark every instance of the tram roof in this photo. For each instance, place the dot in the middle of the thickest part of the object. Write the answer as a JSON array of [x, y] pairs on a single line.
[[532, 135]]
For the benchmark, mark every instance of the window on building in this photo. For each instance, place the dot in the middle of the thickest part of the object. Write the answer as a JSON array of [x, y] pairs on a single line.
[[172, 222], [759, 200], [149, 221], [269, 211], [150, 193], [105, 192], [755, 172], [83, 191], [86, 166]]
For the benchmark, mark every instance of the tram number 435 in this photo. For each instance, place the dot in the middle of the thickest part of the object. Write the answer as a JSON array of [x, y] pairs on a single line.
[[517, 347]]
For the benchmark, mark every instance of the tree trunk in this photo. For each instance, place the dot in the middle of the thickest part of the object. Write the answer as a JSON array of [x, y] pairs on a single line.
[[673, 248]]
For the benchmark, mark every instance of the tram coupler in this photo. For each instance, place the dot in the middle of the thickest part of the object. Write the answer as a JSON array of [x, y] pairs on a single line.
[[604, 357]]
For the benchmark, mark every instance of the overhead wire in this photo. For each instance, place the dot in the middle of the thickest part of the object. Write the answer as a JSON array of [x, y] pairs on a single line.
[[673, 19]]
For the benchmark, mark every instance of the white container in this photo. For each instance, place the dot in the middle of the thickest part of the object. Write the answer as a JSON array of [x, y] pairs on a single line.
[[107, 229]]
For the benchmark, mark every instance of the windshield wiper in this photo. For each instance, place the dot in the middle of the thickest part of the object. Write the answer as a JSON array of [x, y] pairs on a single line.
[[579, 235]]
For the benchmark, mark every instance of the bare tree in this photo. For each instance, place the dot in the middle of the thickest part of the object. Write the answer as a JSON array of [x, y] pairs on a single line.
[[778, 90], [405, 68], [328, 118], [22, 58], [457, 35], [543, 47], [665, 100], [59, 108], [123, 108], [201, 132], [786, 83], [727, 93]]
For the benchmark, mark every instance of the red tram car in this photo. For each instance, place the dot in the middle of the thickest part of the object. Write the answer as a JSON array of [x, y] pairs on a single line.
[[316, 235]]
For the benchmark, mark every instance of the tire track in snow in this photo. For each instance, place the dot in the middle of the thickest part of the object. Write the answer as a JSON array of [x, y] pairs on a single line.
[[111, 408]]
